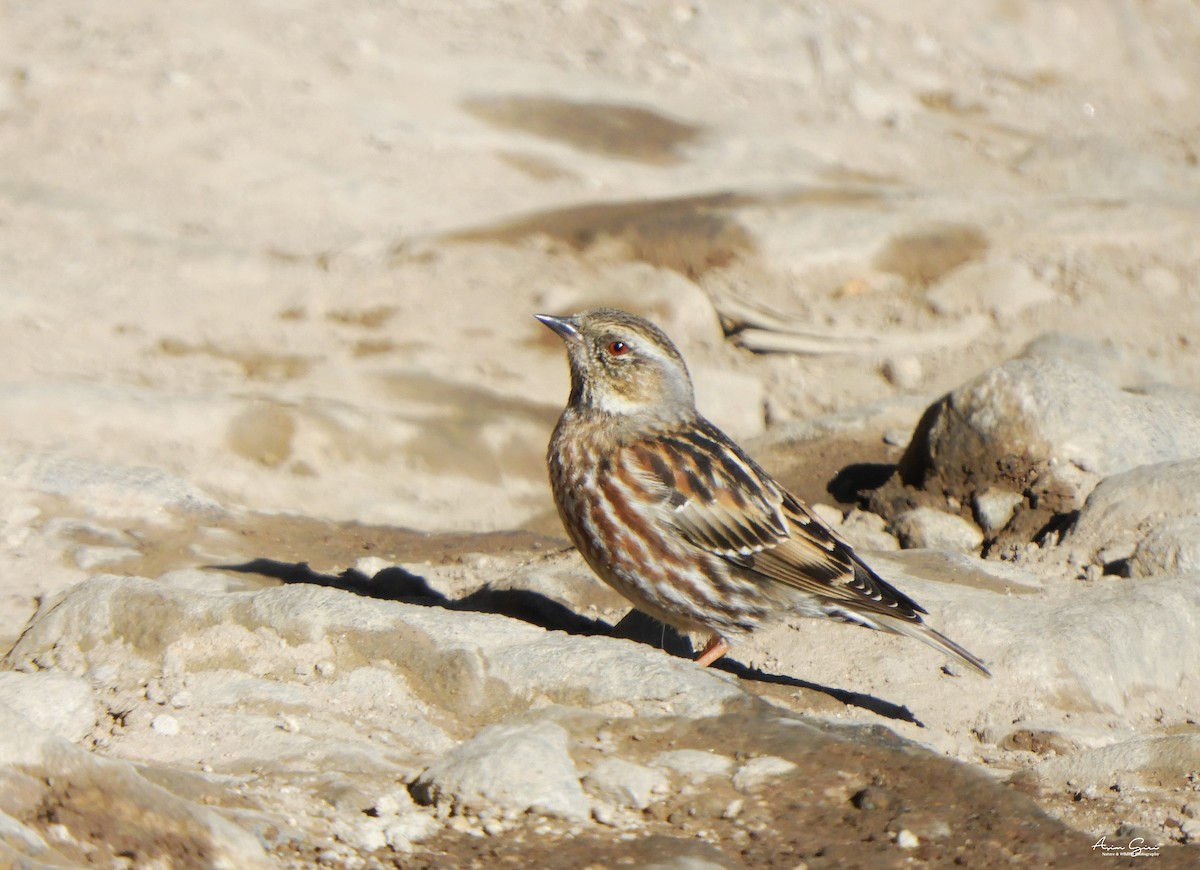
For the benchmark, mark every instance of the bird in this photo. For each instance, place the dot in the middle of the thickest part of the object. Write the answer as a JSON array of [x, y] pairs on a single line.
[[674, 515]]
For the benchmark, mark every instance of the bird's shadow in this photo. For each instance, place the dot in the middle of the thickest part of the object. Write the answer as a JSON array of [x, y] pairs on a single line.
[[397, 584]]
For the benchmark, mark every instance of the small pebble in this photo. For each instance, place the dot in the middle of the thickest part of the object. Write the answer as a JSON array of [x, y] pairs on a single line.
[[995, 507], [925, 527], [369, 566], [904, 372], [287, 723], [828, 514], [605, 815], [906, 839], [166, 725], [60, 833]]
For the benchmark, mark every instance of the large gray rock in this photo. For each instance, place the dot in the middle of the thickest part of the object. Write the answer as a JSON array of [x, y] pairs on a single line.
[[510, 769], [1142, 761], [61, 704], [236, 697], [1063, 645], [1040, 428], [471, 664], [1146, 521]]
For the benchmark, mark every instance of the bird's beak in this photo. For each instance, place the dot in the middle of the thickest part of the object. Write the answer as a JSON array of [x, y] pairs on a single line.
[[566, 327]]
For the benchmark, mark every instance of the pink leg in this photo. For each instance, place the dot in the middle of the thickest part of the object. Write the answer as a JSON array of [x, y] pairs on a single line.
[[713, 650]]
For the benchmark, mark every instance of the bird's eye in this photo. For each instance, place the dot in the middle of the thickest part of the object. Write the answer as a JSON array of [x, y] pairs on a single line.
[[617, 348]]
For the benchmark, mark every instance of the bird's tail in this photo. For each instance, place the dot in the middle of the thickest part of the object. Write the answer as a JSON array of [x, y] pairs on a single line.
[[922, 632]]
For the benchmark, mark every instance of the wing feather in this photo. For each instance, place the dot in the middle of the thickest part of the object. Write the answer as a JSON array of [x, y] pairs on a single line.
[[738, 512]]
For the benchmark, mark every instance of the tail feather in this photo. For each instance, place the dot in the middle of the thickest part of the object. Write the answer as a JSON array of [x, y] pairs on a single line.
[[913, 628], [934, 638]]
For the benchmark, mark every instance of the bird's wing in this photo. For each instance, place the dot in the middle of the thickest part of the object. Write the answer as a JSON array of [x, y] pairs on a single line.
[[719, 500], [857, 584]]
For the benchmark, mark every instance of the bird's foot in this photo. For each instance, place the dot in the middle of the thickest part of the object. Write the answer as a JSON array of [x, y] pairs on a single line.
[[713, 650]]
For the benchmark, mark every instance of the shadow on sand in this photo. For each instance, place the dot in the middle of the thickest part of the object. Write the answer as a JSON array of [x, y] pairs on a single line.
[[397, 584]]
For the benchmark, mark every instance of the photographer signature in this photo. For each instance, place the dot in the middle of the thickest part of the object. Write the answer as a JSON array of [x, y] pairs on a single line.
[[1136, 848]]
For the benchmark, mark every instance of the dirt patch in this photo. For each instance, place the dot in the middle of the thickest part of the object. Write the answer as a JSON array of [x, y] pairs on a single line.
[[845, 804], [834, 470], [690, 235], [322, 545], [608, 129], [256, 365], [119, 833], [925, 255]]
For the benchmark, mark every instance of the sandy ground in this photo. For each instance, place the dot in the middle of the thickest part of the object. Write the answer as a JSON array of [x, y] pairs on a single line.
[[280, 261]]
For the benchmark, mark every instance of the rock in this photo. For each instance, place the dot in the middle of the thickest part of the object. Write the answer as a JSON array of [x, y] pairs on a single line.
[[21, 838], [409, 677], [522, 767], [1004, 578], [1171, 546], [694, 765], [873, 798], [1003, 288], [1142, 761], [758, 771], [1059, 411], [994, 508], [827, 513], [1190, 828], [168, 726], [108, 809], [920, 825], [1148, 515], [91, 558], [1058, 640], [62, 704], [1102, 356], [480, 661], [625, 784], [904, 372], [867, 531], [1038, 426], [111, 488], [597, 673], [931, 529], [364, 834], [408, 829]]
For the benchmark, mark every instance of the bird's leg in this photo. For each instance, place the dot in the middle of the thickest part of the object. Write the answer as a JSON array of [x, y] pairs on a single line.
[[713, 650]]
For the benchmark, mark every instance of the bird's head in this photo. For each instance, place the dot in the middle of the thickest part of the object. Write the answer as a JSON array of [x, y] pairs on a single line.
[[622, 364]]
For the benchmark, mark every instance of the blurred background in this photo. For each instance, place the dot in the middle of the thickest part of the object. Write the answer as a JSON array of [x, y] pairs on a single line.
[[284, 256]]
